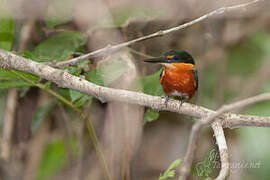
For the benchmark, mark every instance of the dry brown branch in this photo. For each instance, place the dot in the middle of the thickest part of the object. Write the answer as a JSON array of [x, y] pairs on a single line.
[[113, 48], [185, 169]]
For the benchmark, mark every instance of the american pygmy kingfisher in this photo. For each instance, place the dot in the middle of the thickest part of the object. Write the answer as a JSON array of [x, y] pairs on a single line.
[[179, 76]]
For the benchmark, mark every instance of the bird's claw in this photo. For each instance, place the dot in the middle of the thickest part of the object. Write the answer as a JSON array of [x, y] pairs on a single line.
[[181, 102], [166, 100]]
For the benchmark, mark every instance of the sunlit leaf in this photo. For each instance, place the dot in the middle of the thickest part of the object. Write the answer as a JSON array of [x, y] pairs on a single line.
[[170, 173]]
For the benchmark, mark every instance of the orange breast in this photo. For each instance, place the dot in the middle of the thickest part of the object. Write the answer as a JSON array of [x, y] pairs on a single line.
[[178, 79]]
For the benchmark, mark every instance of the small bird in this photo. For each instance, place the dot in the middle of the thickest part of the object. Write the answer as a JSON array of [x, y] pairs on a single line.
[[179, 76]]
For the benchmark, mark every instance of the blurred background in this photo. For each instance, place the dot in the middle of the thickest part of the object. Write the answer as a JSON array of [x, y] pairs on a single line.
[[42, 137]]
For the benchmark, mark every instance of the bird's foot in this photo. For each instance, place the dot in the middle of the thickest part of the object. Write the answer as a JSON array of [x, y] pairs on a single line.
[[181, 102], [166, 100], [183, 99]]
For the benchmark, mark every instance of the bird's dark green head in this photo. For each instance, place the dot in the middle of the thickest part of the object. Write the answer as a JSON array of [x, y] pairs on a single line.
[[173, 56]]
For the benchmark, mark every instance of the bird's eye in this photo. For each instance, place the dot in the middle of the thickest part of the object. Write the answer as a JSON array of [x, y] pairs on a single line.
[[175, 57]]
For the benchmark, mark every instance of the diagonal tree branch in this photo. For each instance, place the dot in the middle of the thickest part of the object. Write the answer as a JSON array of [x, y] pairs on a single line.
[[185, 169], [104, 94], [110, 49]]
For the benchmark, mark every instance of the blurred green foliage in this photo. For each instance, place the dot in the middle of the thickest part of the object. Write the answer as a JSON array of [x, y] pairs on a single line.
[[255, 151], [58, 13], [6, 33], [53, 160], [121, 15], [40, 114], [245, 59]]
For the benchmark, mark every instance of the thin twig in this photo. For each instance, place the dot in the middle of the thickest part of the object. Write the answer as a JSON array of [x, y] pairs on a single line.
[[110, 49], [90, 127], [139, 53], [186, 166], [105, 94]]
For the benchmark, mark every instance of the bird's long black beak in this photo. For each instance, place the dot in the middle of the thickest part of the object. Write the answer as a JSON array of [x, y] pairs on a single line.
[[155, 60]]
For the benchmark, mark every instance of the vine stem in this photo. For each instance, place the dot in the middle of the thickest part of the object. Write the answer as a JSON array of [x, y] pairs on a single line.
[[87, 121]]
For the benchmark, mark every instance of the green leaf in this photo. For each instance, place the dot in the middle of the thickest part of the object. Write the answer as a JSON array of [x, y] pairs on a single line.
[[95, 77], [174, 164], [40, 114], [170, 173], [85, 98], [10, 80], [53, 160], [74, 70], [28, 75], [74, 95], [78, 98], [59, 47], [64, 92], [151, 84], [13, 84], [7, 74], [150, 115]]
